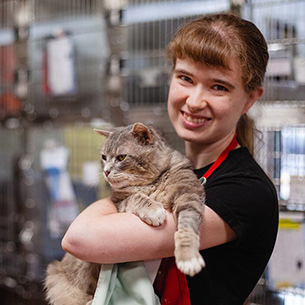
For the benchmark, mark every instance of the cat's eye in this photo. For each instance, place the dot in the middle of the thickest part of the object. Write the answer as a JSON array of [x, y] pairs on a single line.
[[104, 157], [121, 157]]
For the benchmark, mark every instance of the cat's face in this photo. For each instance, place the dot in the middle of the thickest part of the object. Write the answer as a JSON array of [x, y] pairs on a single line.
[[120, 163], [130, 156]]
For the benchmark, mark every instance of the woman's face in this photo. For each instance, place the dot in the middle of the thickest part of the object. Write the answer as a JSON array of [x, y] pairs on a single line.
[[205, 103]]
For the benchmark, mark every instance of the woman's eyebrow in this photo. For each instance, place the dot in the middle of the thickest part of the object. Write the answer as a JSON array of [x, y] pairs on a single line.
[[224, 83], [183, 72]]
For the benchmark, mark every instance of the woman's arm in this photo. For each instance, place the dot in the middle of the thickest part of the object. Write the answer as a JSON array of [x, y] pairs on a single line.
[[100, 234]]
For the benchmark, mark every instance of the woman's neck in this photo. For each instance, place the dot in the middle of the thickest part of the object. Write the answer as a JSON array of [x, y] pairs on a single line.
[[204, 154]]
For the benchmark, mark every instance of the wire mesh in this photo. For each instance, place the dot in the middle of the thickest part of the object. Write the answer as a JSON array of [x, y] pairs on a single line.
[[32, 34], [282, 23], [121, 76], [27, 121]]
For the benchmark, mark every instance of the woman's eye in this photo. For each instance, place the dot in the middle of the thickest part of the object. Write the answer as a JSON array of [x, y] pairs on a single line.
[[185, 78], [121, 157], [220, 88], [104, 157]]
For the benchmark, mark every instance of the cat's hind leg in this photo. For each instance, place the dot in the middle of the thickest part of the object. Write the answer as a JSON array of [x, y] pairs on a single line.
[[62, 291]]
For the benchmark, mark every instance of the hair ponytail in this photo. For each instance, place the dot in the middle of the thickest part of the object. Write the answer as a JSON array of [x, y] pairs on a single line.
[[246, 132]]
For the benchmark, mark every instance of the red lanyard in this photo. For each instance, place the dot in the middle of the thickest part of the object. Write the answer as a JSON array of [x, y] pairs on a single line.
[[219, 160]]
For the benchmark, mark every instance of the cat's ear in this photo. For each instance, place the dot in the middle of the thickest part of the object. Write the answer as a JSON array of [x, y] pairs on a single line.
[[105, 133], [142, 133]]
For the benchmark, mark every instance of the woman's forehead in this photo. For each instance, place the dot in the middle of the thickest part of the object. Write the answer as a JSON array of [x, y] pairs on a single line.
[[190, 65]]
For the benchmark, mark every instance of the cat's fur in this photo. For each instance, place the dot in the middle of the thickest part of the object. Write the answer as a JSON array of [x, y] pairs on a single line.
[[147, 176]]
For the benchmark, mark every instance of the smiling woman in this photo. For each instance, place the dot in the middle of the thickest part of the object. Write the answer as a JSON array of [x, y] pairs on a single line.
[[219, 62]]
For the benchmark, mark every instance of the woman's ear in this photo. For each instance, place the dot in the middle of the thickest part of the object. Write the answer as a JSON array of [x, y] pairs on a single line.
[[254, 95]]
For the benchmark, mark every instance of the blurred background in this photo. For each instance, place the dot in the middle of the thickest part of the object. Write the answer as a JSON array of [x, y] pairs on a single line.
[[68, 66]]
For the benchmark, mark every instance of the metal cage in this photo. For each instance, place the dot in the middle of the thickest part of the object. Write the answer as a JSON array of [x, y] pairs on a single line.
[[113, 53]]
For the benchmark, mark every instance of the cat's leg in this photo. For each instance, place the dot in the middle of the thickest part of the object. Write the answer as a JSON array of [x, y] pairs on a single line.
[[149, 210], [188, 257]]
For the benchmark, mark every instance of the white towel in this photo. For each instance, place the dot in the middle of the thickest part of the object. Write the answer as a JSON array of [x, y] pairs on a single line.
[[125, 284]]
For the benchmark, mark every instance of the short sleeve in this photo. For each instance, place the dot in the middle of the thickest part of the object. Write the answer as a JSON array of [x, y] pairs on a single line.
[[245, 202]]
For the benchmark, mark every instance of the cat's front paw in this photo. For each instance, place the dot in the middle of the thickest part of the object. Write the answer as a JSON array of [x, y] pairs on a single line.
[[191, 267], [154, 217], [188, 258]]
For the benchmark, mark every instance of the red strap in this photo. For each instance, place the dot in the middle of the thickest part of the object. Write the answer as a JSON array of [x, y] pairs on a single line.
[[221, 158], [171, 284]]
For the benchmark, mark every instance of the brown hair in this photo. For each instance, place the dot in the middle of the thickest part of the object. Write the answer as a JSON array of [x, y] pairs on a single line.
[[214, 40]]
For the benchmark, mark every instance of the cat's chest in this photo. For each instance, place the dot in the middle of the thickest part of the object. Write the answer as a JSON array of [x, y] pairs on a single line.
[[160, 189], [156, 191]]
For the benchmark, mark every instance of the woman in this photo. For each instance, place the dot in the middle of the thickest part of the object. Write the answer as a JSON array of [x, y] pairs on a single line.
[[219, 62]]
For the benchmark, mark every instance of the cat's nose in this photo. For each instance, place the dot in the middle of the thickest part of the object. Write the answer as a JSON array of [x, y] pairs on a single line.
[[107, 173]]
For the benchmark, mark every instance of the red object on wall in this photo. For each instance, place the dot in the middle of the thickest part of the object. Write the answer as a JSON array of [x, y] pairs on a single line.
[[9, 103]]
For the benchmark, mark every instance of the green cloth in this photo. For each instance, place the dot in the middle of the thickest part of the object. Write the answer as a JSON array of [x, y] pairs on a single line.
[[125, 284]]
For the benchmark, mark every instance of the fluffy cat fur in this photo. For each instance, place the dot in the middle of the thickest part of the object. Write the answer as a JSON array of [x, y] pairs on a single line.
[[146, 176]]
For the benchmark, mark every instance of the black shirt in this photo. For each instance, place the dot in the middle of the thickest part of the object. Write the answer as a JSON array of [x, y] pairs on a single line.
[[244, 197]]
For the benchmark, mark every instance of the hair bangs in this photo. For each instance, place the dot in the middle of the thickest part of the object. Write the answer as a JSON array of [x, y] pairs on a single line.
[[206, 49]]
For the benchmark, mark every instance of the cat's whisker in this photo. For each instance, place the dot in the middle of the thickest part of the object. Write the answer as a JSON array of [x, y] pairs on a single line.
[[94, 184], [97, 181]]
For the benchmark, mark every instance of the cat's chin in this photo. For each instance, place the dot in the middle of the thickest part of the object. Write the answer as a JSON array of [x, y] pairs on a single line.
[[118, 184]]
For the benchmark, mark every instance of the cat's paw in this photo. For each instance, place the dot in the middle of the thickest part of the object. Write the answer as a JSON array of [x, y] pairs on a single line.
[[191, 267], [154, 218], [188, 257]]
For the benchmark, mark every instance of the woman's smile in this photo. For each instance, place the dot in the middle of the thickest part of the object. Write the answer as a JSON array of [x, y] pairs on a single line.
[[193, 121]]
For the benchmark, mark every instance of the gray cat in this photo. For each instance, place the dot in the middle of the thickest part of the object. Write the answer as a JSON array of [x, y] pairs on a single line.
[[146, 176]]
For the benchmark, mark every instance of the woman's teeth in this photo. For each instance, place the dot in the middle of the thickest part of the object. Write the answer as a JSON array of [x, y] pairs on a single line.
[[193, 120]]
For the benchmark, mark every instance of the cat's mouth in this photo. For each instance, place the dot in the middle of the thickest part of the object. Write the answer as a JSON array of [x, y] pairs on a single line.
[[117, 183]]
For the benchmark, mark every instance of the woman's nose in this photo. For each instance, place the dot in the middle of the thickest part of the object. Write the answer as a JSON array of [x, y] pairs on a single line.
[[196, 101]]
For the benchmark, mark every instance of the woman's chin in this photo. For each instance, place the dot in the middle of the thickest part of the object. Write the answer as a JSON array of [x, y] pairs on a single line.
[[189, 135]]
